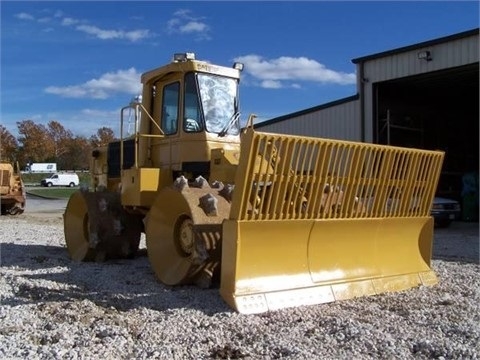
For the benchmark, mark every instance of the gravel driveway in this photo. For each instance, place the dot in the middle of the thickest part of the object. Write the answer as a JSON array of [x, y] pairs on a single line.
[[38, 205], [52, 308]]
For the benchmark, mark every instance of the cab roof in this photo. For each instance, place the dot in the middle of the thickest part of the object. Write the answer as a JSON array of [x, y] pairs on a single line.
[[189, 65]]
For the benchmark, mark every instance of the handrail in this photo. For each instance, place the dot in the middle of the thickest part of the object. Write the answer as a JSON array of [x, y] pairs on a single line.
[[138, 109]]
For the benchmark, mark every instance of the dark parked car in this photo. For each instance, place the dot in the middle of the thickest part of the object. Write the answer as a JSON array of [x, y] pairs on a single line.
[[444, 211]]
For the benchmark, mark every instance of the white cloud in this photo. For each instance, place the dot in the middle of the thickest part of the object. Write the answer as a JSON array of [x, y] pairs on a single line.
[[100, 113], [271, 84], [183, 22], [135, 35], [30, 17], [193, 26], [103, 34], [276, 73], [24, 16], [122, 81], [85, 122], [67, 21], [80, 25], [94, 119], [99, 33], [185, 13]]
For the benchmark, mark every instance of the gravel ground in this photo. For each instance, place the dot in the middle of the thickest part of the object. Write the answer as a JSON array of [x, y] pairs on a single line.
[[52, 308]]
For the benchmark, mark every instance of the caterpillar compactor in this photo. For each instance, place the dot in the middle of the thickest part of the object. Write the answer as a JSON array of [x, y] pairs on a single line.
[[277, 221]]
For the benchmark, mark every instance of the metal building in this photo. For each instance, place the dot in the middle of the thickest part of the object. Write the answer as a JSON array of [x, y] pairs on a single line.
[[425, 95]]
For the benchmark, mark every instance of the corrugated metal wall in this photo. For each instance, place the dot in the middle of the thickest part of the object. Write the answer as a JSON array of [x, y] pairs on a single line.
[[340, 121], [447, 55]]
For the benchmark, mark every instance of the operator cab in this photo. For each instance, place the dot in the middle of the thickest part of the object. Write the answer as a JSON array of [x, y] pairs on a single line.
[[209, 104], [192, 96], [188, 110]]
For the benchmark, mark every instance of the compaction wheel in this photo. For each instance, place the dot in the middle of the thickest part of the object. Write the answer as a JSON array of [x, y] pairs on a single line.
[[75, 221], [97, 228], [183, 243]]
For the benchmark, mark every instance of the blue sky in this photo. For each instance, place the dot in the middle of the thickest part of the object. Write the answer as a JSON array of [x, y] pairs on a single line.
[[80, 62]]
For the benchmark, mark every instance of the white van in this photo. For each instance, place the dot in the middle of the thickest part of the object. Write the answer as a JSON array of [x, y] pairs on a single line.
[[59, 179]]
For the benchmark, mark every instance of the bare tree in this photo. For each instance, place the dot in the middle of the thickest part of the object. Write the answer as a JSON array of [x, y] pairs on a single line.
[[60, 137], [8, 145], [104, 136]]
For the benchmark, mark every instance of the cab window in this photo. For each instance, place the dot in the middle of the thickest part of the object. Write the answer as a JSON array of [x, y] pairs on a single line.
[[170, 102], [192, 114]]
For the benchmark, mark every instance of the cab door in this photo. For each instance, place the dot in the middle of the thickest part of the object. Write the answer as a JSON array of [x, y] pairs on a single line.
[[166, 108]]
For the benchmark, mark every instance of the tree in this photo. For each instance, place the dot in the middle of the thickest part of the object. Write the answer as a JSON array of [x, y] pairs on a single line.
[[8, 145], [78, 153], [36, 145], [104, 136], [60, 137]]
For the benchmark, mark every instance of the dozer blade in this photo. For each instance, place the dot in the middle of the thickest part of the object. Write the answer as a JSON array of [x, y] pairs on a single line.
[[316, 220]]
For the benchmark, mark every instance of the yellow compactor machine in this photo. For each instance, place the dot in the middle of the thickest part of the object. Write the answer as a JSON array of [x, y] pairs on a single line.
[[12, 190], [278, 221]]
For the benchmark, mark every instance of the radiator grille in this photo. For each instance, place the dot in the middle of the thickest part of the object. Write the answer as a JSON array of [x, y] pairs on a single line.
[[4, 178]]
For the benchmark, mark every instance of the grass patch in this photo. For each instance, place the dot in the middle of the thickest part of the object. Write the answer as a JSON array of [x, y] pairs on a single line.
[[53, 192], [35, 178]]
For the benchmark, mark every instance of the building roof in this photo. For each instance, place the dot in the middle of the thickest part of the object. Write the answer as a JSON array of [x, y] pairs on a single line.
[[417, 46], [306, 111]]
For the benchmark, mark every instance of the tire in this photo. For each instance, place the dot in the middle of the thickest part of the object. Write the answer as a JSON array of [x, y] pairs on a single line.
[[71, 184], [49, 184]]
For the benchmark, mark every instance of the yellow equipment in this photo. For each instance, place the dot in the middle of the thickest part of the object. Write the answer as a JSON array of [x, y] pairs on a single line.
[[278, 220], [12, 190]]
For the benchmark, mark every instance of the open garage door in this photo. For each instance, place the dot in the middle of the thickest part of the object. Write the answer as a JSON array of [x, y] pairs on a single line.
[[438, 110]]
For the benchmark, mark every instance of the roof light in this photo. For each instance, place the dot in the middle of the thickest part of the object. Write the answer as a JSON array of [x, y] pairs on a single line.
[[425, 55], [238, 66], [181, 57]]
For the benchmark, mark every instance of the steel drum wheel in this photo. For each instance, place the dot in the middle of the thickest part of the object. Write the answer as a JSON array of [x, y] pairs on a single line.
[[76, 228], [100, 215], [170, 239]]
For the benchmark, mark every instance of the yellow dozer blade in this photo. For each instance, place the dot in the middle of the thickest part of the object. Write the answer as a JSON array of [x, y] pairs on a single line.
[[316, 220]]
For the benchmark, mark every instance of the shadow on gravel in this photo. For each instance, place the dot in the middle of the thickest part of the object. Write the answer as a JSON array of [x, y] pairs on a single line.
[[457, 243], [456, 258], [32, 257], [46, 274]]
